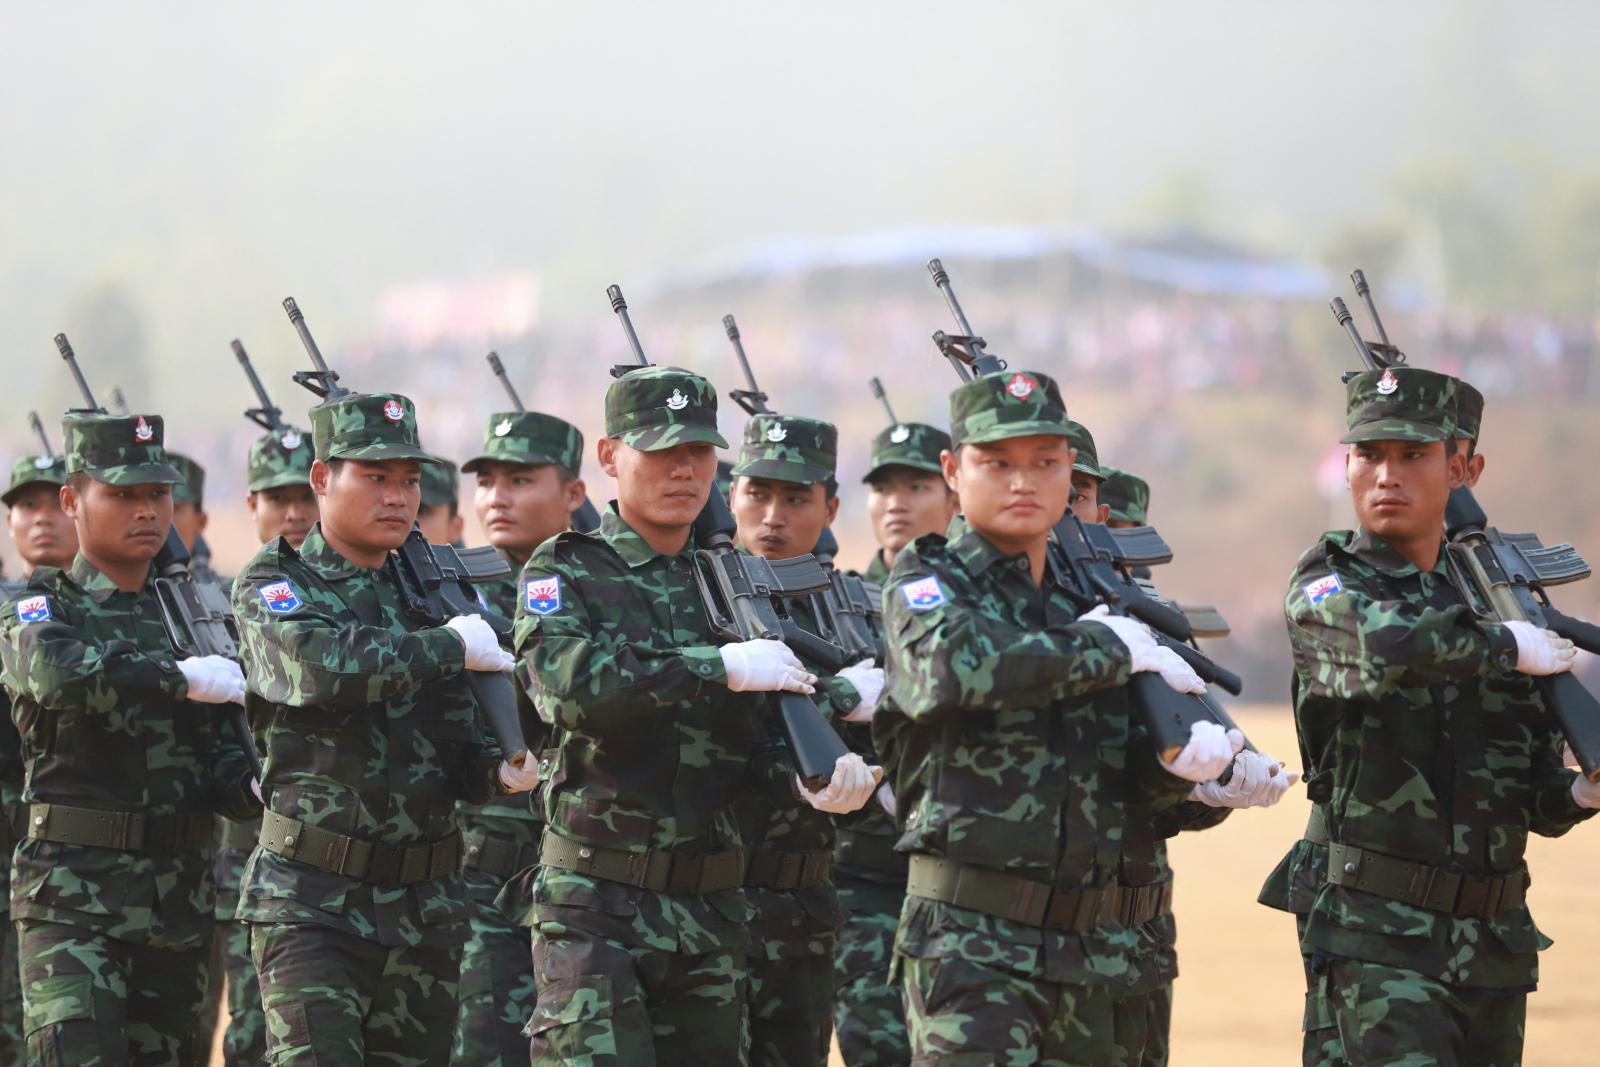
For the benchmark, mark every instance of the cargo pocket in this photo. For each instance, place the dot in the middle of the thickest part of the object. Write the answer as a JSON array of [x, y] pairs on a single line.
[[289, 1036], [579, 1022], [60, 1021]]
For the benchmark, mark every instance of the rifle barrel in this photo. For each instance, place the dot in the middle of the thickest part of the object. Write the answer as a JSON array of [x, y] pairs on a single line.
[[328, 386], [1348, 321], [64, 346], [877, 391], [38, 429], [1364, 291], [942, 280], [499, 369], [620, 307], [267, 416]]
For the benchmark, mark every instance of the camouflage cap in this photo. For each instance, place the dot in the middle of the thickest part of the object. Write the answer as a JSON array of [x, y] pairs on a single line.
[[1128, 494], [788, 448], [653, 408], [1007, 404], [1469, 410], [529, 437], [440, 483], [192, 490], [118, 449], [1088, 460], [907, 444], [279, 459], [34, 470], [370, 426], [1400, 404]]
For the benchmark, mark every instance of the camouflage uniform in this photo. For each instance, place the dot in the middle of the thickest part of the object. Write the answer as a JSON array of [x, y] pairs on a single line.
[[370, 734], [638, 913], [112, 890], [1003, 719], [1429, 759], [1126, 493], [502, 837]]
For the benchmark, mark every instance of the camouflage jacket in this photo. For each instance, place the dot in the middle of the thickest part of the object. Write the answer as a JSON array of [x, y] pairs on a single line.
[[872, 822], [1008, 730], [1420, 741], [369, 729], [877, 571], [105, 723], [653, 748]]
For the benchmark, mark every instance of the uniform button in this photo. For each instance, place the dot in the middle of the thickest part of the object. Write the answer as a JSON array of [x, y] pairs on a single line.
[[288, 839], [38, 820], [472, 850], [1350, 868], [166, 665], [585, 853], [544, 764], [911, 818]]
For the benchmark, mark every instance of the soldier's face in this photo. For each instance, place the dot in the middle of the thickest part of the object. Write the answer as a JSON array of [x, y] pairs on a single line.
[[778, 520], [368, 506], [521, 506], [190, 521], [287, 511], [440, 524], [905, 503], [119, 525], [1400, 488], [44, 535], [1086, 501], [1013, 491], [665, 489]]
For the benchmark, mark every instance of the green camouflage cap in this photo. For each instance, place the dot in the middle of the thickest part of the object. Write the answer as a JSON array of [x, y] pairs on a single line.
[[1469, 410], [192, 490], [907, 444], [529, 437], [34, 470], [118, 449], [653, 408], [788, 448], [1128, 494], [280, 458], [440, 483], [1400, 404], [371, 426], [1088, 460], [1007, 404]]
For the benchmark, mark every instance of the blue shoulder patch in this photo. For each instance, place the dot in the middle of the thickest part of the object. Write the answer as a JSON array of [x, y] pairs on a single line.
[[279, 597], [542, 596], [923, 594], [33, 608], [1323, 588]]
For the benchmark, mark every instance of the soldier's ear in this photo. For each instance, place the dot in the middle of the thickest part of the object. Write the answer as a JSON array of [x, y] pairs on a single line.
[[321, 476], [605, 450], [1104, 511], [576, 491], [69, 501], [950, 467], [1457, 461]]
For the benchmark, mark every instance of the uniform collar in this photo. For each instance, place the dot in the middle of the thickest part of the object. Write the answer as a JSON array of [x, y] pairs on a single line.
[[975, 551], [321, 556], [1375, 552], [624, 541], [92, 579]]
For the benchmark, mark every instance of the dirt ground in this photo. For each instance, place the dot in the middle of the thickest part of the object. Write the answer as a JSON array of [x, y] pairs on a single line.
[[1238, 999]]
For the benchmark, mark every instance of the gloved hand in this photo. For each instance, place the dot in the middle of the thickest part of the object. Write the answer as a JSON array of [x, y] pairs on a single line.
[[1134, 635], [519, 779], [255, 788], [483, 647], [1208, 753], [849, 788], [1541, 651], [1585, 792], [1258, 781], [765, 666], [868, 681], [213, 679], [886, 799], [1173, 669]]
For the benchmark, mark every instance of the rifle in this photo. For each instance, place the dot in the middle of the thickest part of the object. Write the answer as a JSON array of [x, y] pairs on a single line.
[[1098, 561], [266, 415], [741, 595], [1506, 577], [586, 519], [38, 431], [435, 581], [196, 615]]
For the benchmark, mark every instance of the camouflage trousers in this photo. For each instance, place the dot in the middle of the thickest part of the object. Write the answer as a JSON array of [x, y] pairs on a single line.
[[1395, 1017], [333, 999], [604, 1003], [790, 1010], [89, 1000], [244, 1043], [497, 986], [10, 996], [868, 1016], [965, 1014], [1158, 1043]]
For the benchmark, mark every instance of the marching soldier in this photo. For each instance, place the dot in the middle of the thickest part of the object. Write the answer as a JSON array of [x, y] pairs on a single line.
[[439, 516], [112, 886], [281, 501], [354, 893], [1127, 495], [1013, 759], [907, 497]]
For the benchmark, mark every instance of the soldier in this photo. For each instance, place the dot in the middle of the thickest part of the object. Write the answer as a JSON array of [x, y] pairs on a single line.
[[1430, 756], [280, 498], [370, 734], [1126, 494], [439, 517], [1013, 758], [784, 496], [188, 500], [906, 494], [112, 887], [1086, 476], [527, 488], [639, 915]]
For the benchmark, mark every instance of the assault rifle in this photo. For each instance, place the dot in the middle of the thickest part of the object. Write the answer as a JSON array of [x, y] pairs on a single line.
[[435, 581], [267, 415], [38, 431], [1098, 561], [1505, 577], [883, 398], [586, 519], [742, 596]]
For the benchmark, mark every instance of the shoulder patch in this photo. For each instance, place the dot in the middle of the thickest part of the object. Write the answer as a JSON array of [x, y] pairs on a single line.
[[1323, 588], [542, 596], [923, 594], [33, 608], [279, 597]]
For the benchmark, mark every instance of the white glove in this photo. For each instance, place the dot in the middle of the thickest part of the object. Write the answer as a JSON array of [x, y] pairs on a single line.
[[868, 681], [1541, 651], [213, 679], [483, 647], [1258, 781], [849, 788], [764, 666], [1585, 793], [255, 787], [1208, 753], [1173, 669], [886, 799], [1134, 635], [519, 779]]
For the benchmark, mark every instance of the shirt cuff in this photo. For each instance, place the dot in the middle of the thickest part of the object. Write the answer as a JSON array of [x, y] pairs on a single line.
[[705, 663]]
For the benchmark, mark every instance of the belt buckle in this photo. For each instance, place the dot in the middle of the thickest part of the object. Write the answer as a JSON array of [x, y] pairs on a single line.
[[130, 828]]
